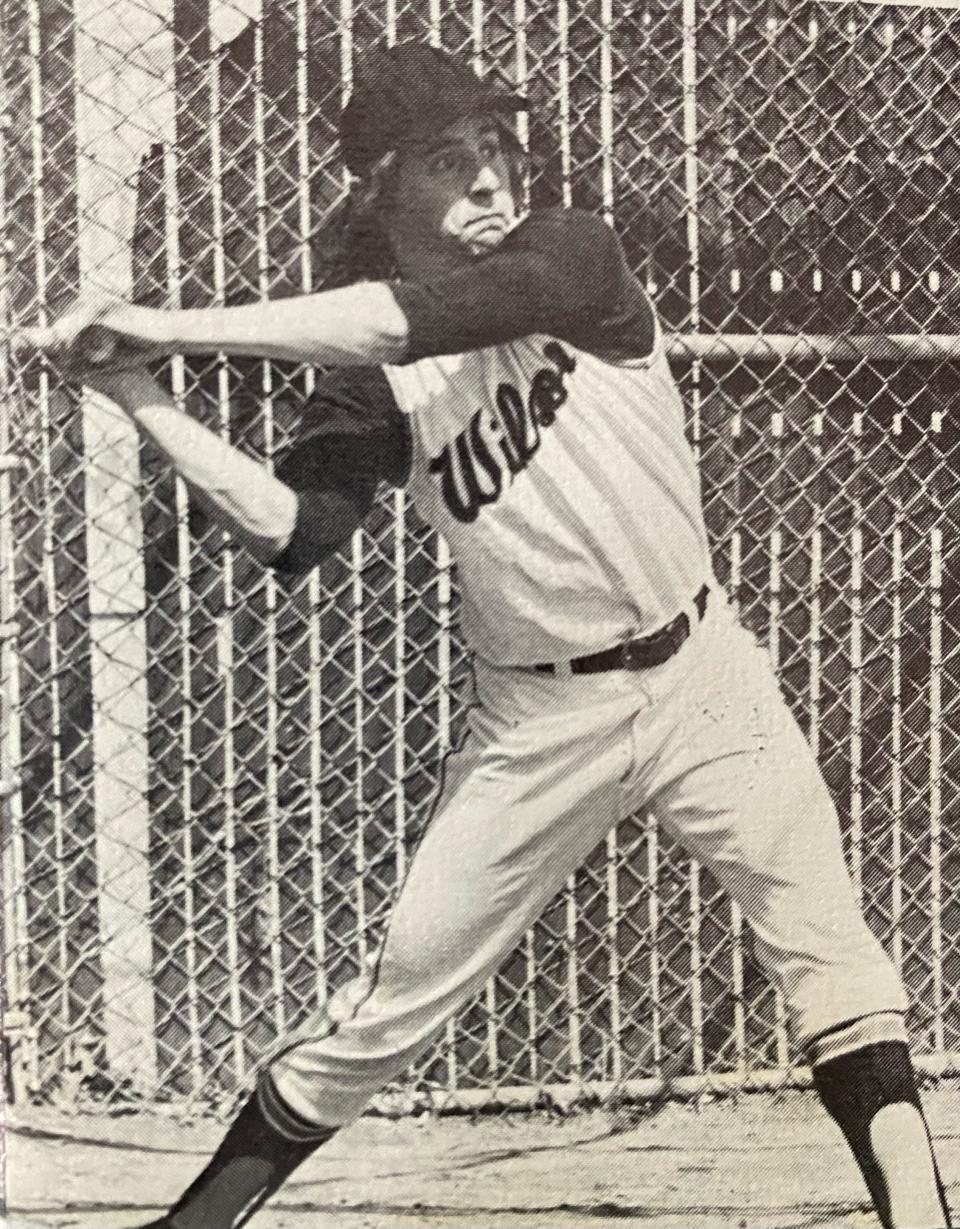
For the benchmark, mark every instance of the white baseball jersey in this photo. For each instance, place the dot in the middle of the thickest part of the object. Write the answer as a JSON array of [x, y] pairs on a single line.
[[537, 426], [565, 488]]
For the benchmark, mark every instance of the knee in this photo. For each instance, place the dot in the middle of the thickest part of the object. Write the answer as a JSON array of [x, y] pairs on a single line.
[[841, 991]]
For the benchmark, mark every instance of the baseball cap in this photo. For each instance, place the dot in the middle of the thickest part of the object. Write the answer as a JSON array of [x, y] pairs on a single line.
[[410, 91]]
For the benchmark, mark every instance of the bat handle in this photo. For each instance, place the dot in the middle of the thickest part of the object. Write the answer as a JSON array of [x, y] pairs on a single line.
[[98, 345]]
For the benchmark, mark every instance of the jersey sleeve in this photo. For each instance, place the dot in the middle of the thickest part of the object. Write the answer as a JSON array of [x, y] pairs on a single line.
[[562, 272], [352, 437]]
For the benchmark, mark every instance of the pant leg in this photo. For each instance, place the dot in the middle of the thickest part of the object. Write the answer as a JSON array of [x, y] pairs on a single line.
[[735, 780], [536, 787]]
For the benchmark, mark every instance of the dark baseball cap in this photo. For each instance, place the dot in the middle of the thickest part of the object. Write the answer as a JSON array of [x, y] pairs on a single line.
[[408, 92]]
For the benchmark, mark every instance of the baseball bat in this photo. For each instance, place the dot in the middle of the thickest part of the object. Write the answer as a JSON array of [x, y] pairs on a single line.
[[97, 345]]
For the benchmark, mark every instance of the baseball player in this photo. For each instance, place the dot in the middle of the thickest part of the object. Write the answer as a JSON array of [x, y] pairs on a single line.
[[510, 373]]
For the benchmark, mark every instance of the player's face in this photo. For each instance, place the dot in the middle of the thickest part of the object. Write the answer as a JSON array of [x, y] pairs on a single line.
[[454, 191]]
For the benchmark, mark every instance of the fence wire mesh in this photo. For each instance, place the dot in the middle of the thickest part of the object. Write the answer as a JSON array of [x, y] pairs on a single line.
[[215, 777]]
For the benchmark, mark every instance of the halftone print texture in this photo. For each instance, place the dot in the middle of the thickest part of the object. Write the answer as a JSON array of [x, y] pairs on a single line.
[[214, 778]]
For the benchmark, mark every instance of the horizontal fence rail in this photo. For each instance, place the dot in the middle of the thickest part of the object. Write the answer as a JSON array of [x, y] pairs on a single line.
[[213, 779], [797, 348]]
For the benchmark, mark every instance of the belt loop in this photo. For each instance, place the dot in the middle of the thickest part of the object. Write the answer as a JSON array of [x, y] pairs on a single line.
[[693, 610], [563, 669]]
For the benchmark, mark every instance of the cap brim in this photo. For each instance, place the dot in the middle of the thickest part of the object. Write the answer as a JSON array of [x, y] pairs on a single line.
[[488, 104]]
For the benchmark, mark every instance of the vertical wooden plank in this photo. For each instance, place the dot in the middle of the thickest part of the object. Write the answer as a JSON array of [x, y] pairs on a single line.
[[936, 785], [776, 552], [233, 884], [657, 955], [530, 1002], [273, 818], [124, 99], [896, 741], [16, 973], [182, 614], [691, 183], [736, 914], [57, 998], [856, 672], [304, 30], [444, 646], [520, 70], [570, 892], [476, 31], [15, 968], [613, 859]]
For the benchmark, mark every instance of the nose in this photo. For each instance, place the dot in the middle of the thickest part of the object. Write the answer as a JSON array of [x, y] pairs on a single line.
[[485, 181]]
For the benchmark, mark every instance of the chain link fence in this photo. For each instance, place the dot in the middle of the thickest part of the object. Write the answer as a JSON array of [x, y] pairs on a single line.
[[214, 777]]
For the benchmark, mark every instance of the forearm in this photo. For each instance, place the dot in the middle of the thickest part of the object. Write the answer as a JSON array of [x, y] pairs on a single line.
[[352, 326], [257, 509]]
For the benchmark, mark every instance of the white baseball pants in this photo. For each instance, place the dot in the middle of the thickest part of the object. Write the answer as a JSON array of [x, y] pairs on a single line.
[[705, 743]]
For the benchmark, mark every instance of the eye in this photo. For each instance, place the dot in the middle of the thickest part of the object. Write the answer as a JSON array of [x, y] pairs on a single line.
[[490, 148], [441, 164]]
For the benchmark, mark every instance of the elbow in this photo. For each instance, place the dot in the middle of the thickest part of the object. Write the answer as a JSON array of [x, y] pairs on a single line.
[[383, 321], [392, 332], [265, 526], [270, 552], [296, 554], [300, 555], [325, 522]]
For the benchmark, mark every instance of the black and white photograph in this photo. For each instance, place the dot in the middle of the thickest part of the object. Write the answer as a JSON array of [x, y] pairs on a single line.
[[479, 626]]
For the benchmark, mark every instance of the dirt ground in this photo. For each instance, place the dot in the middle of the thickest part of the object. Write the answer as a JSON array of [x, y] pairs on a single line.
[[758, 1162]]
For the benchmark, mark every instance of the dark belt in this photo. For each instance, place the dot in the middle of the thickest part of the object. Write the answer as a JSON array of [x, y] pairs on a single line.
[[640, 654]]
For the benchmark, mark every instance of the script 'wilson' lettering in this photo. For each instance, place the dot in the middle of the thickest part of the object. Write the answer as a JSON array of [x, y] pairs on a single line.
[[472, 466]]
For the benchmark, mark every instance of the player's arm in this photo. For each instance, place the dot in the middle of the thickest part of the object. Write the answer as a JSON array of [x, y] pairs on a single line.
[[561, 272], [261, 511], [351, 326]]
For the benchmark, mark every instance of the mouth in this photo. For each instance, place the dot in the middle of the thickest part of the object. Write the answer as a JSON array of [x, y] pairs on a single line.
[[482, 234], [487, 221]]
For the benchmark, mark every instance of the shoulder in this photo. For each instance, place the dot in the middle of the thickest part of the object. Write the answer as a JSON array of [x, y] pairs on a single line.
[[569, 230]]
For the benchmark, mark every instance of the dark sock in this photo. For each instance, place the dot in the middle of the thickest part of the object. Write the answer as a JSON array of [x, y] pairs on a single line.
[[252, 1162], [854, 1087]]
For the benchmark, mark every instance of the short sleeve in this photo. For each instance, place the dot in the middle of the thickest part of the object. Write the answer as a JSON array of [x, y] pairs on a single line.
[[562, 272], [352, 436], [351, 432]]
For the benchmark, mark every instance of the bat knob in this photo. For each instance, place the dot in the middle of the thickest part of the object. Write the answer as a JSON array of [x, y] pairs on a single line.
[[97, 345]]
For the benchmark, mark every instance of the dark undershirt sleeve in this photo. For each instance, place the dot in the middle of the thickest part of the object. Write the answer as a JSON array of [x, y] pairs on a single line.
[[352, 437], [562, 272]]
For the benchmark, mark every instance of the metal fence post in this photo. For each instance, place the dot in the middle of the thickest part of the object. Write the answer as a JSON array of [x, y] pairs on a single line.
[[124, 100]]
